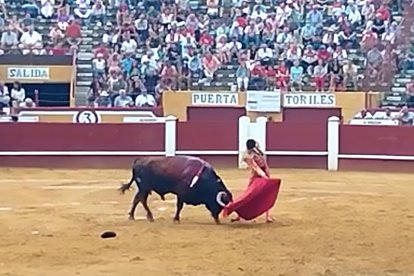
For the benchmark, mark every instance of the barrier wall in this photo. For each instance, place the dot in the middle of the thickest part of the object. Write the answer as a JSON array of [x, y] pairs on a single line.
[[288, 145]]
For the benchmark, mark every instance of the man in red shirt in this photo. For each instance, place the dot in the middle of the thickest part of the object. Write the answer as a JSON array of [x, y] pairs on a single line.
[[206, 39], [102, 49], [73, 33]]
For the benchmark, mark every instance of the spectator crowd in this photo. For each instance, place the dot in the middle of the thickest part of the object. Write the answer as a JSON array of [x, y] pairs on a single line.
[[151, 46]]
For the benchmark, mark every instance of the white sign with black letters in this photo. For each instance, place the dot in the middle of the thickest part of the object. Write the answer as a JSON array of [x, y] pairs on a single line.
[[214, 99], [263, 101], [28, 73], [309, 100]]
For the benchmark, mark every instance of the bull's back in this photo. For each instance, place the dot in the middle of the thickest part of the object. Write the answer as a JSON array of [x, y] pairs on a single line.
[[171, 174]]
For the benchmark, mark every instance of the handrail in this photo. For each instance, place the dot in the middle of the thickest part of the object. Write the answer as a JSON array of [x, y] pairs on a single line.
[[73, 79]]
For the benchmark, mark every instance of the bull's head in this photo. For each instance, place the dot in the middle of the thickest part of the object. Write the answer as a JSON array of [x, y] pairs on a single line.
[[223, 198]]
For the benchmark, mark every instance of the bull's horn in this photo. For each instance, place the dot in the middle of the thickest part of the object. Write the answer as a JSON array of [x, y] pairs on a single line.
[[219, 198]]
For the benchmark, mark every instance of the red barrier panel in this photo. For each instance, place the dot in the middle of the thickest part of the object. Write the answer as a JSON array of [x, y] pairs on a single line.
[[297, 136], [216, 113], [81, 137], [312, 115], [376, 140], [207, 135]]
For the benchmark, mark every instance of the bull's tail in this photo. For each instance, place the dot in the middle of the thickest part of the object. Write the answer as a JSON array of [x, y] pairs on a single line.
[[125, 187]]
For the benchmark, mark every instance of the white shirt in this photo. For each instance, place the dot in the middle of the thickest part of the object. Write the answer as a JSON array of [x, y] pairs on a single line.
[[18, 95], [142, 100], [98, 11], [264, 53], [354, 16], [129, 46], [230, 45], [31, 39], [99, 64], [110, 38], [5, 91]]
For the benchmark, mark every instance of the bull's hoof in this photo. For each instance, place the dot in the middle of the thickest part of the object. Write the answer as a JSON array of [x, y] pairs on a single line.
[[150, 219], [176, 220], [131, 218]]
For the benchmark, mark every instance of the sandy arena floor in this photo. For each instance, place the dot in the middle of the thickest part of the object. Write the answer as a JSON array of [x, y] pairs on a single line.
[[325, 224]]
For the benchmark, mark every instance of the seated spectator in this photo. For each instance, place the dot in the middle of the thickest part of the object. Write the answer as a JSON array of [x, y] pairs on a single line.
[[98, 13], [409, 89], [103, 100], [378, 25], [348, 39], [129, 46], [265, 55], [169, 75], [63, 18], [18, 94], [242, 76], [73, 34], [99, 65], [319, 74], [31, 8], [309, 59], [405, 117], [136, 86], [83, 11], [307, 33], [145, 100], [56, 34], [374, 64], [9, 39], [350, 72], [335, 75], [354, 16], [296, 76], [116, 83], [369, 40], [27, 21], [47, 8], [123, 100], [28, 103], [30, 42], [257, 76], [391, 34], [210, 64], [282, 77], [4, 96]]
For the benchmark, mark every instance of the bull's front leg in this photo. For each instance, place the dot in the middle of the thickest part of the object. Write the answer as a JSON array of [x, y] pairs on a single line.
[[180, 205]]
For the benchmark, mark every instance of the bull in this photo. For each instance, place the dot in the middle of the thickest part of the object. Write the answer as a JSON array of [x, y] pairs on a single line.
[[191, 179]]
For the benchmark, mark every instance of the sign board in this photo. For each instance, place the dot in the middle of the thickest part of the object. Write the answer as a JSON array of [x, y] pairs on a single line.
[[374, 122], [309, 100], [263, 101], [214, 99], [28, 73], [87, 117]]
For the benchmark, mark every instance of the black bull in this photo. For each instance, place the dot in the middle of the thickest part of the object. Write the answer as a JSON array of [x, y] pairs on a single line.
[[191, 179]]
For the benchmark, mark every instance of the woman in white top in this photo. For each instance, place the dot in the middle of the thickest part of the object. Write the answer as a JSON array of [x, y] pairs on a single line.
[[18, 94], [47, 8]]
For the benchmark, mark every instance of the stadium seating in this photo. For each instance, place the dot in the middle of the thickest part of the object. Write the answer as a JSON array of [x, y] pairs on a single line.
[[220, 14]]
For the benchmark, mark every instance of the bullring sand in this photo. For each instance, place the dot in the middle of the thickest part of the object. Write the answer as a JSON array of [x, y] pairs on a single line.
[[325, 224]]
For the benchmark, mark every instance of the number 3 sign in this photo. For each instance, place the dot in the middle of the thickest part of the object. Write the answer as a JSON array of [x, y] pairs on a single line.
[[87, 117]]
